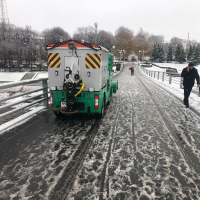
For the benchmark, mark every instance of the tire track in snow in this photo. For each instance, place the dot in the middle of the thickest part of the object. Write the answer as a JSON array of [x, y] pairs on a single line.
[[189, 157], [66, 181], [113, 141], [105, 181]]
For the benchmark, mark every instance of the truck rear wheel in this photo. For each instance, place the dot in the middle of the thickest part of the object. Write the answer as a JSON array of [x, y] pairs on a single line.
[[58, 114], [108, 103]]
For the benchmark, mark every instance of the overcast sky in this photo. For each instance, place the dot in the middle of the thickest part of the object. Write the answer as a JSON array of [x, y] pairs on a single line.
[[170, 18]]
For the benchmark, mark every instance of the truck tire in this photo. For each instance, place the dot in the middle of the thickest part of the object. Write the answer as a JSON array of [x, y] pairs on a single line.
[[108, 103], [101, 115], [59, 115]]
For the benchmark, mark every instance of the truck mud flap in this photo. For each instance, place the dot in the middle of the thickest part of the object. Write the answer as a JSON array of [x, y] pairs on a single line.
[[115, 86]]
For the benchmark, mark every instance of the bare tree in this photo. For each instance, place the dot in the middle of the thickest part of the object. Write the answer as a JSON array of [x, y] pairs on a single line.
[[3, 42], [105, 39], [174, 42], [54, 35], [141, 43], [123, 40], [156, 39], [20, 45], [85, 33]]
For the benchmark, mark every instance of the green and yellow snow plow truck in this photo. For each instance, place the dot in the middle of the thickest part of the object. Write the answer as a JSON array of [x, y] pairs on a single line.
[[80, 79]]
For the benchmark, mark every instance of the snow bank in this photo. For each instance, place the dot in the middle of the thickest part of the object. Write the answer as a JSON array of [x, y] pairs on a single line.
[[179, 67], [194, 99], [11, 76]]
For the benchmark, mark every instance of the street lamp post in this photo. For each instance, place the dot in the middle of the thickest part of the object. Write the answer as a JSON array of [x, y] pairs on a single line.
[[124, 54], [113, 51], [120, 51], [139, 55], [143, 55], [95, 24]]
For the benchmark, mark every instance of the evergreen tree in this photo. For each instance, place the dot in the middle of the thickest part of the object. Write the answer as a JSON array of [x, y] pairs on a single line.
[[189, 56], [161, 53], [169, 53], [193, 53], [180, 54], [158, 53], [177, 52], [155, 52], [196, 55]]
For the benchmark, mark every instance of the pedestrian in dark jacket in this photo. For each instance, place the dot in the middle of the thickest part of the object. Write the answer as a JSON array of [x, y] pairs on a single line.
[[132, 71], [189, 74]]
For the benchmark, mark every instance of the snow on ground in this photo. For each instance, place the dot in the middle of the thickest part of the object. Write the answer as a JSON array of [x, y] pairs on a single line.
[[179, 67], [5, 95], [133, 155], [142, 161], [194, 100], [11, 76], [41, 75], [21, 119], [31, 111], [17, 76]]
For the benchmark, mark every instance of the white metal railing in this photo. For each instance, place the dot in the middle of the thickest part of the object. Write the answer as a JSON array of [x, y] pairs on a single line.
[[165, 77], [42, 97]]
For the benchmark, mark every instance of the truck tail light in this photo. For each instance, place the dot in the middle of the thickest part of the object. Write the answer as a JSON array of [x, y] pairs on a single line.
[[51, 100], [96, 102]]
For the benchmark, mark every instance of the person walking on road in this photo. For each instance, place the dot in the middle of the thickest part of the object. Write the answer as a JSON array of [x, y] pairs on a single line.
[[132, 70], [189, 74]]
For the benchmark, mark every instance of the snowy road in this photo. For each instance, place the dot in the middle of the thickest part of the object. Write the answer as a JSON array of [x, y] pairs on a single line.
[[146, 147]]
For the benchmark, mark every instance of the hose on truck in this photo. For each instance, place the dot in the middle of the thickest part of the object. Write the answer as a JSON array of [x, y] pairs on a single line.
[[79, 90]]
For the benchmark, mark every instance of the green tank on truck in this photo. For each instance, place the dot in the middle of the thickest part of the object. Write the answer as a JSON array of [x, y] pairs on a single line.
[[80, 79]]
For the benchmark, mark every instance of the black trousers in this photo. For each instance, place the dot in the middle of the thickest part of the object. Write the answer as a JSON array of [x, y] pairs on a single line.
[[187, 91]]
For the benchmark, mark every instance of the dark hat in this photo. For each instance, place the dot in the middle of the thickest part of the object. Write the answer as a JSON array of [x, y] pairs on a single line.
[[190, 64]]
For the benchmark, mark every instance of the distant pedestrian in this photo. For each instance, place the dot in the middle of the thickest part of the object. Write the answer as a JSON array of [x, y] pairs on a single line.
[[132, 71], [189, 74]]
